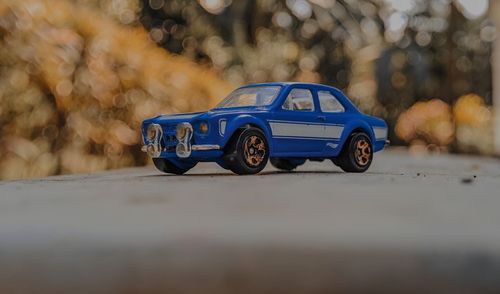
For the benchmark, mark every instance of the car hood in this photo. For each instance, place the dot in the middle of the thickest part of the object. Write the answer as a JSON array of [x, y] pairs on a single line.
[[189, 117], [175, 118]]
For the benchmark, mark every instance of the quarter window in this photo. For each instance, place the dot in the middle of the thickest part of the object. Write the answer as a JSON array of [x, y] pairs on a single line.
[[299, 99], [329, 103]]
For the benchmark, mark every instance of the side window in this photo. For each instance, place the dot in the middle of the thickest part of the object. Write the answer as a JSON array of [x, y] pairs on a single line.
[[329, 103], [299, 99]]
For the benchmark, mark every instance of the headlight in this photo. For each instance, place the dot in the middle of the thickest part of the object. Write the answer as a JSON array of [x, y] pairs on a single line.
[[203, 128], [184, 132], [151, 132], [182, 129]]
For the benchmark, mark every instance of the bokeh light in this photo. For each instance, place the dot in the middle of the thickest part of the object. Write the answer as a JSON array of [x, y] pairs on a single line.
[[473, 8]]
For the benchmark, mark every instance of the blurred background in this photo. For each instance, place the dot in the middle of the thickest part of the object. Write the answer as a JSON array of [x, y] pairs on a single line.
[[77, 77]]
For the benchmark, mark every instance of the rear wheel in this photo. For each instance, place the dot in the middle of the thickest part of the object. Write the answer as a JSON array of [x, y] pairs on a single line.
[[248, 152], [166, 166], [284, 164], [357, 154]]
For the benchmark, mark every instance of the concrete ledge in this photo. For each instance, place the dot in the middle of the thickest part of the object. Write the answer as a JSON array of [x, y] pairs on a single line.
[[409, 225]]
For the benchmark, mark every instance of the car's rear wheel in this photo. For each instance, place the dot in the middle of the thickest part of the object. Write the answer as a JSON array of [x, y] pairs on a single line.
[[248, 152], [284, 164], [356, 155], [166, 166]]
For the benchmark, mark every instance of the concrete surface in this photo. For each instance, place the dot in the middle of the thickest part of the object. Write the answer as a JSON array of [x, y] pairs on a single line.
[[410, 224]]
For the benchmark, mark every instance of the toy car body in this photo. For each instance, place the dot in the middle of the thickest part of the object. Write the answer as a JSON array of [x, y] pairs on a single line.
[[287, 123]]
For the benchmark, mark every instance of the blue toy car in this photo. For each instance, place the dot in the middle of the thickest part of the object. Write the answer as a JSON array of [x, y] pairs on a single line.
[[286, 123]]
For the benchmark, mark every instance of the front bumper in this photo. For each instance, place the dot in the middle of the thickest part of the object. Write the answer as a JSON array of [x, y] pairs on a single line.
[[201, 147], [183, 149]]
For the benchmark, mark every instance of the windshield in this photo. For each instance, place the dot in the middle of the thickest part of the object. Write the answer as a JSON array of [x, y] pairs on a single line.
[[250, 96]]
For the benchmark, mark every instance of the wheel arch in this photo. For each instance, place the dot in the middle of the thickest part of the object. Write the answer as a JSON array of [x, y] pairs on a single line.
[[353, 127], [243, 122]]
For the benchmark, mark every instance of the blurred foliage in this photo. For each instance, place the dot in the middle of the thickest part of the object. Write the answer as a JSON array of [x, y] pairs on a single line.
[[76, 84], [430, 122], [474, 125], [78, 76], [434, 125]]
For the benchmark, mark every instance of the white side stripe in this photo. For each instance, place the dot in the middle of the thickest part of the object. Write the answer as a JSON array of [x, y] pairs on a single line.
[[333, 131], [302, 138], [305, 130]]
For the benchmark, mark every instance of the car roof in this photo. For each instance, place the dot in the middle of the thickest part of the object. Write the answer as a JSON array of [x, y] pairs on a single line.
[[317, 87], [289, 84]]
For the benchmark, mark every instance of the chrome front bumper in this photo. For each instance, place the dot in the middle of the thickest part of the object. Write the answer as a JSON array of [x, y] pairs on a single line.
[[205, 147]]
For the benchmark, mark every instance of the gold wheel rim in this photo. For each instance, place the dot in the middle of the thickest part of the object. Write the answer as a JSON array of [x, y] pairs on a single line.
[[254, 150], [363, 152]]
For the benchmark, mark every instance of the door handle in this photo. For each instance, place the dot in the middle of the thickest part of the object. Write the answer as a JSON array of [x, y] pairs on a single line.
[[321, 117]]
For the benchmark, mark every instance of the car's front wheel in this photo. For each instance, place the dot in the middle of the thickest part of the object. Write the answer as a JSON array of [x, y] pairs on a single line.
[[357, 154], [166, 166], [248, 152]]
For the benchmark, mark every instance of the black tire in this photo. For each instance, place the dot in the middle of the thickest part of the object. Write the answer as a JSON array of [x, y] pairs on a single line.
[[336, 161], [248, 152], [283, 164], [164, 165], [356, 155]]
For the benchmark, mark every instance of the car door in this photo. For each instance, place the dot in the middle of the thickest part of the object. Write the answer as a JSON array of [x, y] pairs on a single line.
[[297, 127], [335, 119]]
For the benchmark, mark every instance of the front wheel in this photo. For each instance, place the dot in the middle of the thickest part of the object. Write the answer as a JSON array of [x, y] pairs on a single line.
[[357, 154], [248, 152], [166, 166]]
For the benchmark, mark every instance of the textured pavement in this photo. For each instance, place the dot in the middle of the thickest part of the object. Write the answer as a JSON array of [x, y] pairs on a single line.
[[409, 224]]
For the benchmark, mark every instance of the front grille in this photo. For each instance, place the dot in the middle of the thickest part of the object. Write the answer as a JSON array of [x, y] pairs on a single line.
[[169, 140]]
